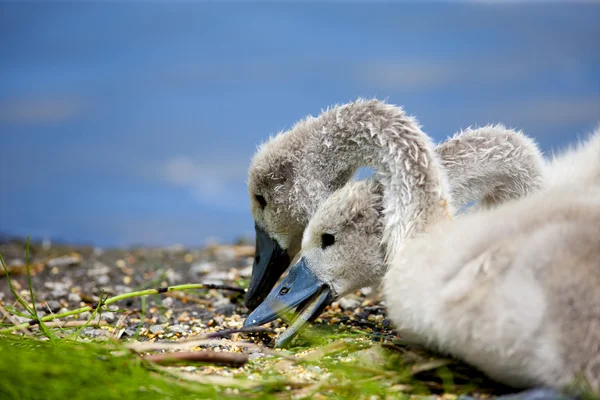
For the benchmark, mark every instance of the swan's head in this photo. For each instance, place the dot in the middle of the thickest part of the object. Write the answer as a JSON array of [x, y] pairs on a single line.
[[341, 252], [279, 222]]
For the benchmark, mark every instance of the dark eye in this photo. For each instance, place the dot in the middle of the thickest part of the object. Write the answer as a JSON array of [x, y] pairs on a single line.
[[284, 290], [261, 200], [327, 239]]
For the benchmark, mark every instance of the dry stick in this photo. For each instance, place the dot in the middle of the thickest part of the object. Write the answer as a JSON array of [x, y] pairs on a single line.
[[114, 299], [191, 299], [187, 344], [71, 324], [213, 357], [227, 332]]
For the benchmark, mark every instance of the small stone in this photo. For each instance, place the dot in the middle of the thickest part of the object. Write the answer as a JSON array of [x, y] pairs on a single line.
[[108, 316], [256, 355], [64, 261], [215, 278], [201, 268], [363, 315], [57, 293], [99, 269], [348, 304], [225, 255], [221, 301], [52, 305], [103, 280], [121, 263], [177, 329], [85, 315], [167, 302], [94, 333], [121, 289], [74, 297], [59, 289], [156, 329], [173, 277], [129, 332], [246, 272], [225, 309]]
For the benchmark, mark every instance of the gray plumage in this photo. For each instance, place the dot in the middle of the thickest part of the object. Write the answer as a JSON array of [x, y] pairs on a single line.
[[513, 291], [297, 170]]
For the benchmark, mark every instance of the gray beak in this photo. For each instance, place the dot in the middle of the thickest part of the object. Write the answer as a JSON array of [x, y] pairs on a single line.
[[299, 289], [270, 262]]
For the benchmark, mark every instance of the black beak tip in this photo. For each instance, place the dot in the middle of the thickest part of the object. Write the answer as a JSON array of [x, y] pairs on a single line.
[[251, 302], [269, 264]]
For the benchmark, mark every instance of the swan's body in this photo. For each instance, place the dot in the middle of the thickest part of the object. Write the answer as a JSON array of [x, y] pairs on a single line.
[[579, 163], [514, 291], [296, 171]]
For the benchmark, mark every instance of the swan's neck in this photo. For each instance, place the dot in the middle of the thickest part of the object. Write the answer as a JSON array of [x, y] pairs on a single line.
[[416, 192]]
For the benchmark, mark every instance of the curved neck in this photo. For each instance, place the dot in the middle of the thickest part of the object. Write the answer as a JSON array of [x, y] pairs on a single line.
[[492, 165], [372, 133]]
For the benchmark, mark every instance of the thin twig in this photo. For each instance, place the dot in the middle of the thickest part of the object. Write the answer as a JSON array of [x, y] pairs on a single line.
[[228, 332], [72, 324], [188, 344], [213, 357], [191, 299]]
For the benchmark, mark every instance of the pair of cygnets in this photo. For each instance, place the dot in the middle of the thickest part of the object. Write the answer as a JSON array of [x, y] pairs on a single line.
[[510, 288]]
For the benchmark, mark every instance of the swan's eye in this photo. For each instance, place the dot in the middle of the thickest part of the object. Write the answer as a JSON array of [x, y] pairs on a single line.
[[261, 201], [327, 239]]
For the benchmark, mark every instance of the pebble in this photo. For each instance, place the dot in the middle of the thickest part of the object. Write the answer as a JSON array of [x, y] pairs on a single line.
[[246, 272], [99, 269], [215, 278], [178, 328], [59, 289], [173, 277], [74, 297], [121, 289], [156, 329], [93, 332], [53, 305], [103, 280], [348, 303], [108, 316], [167, 302], [201, 268], [225, 309], [64, 261], [129, 332], [58, 293]]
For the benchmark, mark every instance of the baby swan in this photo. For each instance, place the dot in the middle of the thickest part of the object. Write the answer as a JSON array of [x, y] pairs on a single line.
[[293, 173], [513, 291], [491, 164]]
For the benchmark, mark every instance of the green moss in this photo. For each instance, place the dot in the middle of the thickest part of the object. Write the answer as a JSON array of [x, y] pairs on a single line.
[[42, 370]]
